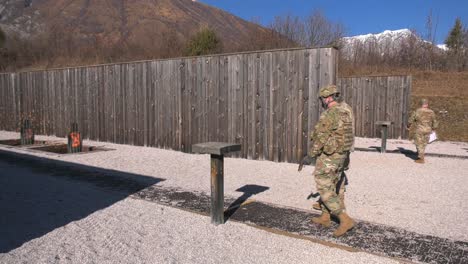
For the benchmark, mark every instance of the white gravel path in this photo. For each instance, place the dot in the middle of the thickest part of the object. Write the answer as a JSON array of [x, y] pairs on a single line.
[[135, 231], [388, 189]]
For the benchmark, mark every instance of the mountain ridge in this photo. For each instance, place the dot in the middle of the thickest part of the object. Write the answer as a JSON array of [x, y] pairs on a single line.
[[122, 20], [386, 42]]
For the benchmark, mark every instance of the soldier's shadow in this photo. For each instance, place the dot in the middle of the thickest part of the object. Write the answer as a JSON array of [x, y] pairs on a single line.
[[248, 191], [408, 153]]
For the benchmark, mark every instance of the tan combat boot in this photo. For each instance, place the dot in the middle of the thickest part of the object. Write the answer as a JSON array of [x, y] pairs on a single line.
[[323, 219], [346, 223], [316, 206], [420, 160]]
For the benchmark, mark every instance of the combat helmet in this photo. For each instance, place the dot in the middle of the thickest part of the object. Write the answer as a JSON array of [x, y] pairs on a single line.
[[328, 90]]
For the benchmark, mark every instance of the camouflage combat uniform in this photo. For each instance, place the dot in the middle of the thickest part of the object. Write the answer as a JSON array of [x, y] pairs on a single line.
[[332, 140], [423, 121], [342, 187]]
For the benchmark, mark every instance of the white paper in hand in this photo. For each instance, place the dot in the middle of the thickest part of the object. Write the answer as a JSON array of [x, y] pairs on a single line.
[[432, 137]]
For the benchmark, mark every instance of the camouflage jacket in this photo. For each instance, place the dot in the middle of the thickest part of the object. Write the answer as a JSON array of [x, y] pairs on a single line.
[[334, 131], [348, 108], [423, 121]]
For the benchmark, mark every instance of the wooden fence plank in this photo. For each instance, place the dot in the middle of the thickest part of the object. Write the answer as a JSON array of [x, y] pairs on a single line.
[[266, 101], [378, 98]]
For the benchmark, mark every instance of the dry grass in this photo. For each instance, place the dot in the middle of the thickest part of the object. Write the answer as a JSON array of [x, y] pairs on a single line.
[[447, 84], [448, 97], [452, 113]]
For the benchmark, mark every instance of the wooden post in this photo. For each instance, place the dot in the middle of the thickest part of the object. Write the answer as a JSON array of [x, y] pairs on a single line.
[[217, 151], [384, 132], [217, 189], [27, 133], [383, 148]]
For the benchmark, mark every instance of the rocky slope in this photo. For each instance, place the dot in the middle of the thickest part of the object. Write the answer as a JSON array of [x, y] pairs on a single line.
[[121, 20]]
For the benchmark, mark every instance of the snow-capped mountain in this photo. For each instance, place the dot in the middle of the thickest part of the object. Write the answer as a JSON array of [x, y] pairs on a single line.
[[387, 35], [384, 43], [442, 47]]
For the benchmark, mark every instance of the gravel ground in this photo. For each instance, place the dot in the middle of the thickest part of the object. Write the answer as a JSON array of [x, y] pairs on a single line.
[[134, 231], [438, 147], [76, 223], [388, 189]]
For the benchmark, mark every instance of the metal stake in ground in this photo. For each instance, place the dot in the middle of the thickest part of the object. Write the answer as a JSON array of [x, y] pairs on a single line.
[[27, 133], [217, 150], [75, 142]]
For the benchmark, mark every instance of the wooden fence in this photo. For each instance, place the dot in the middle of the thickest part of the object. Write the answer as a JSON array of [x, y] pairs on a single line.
[[378, 98], [266, 101]]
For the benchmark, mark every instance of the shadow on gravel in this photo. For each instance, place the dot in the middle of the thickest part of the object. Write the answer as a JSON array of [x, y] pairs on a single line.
[[38, 195], [249, 190], [376, 148], [408, 153], [411, 154]]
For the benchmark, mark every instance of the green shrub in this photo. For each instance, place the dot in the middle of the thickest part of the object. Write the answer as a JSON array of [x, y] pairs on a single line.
[[203, 43]]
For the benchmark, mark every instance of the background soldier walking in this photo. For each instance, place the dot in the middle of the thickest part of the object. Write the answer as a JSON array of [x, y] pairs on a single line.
[[423, 121], [332, 138]]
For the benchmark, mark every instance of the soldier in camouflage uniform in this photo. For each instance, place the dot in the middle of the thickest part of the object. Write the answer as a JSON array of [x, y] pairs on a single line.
[[332, 141], [423, 121], [342, 182]]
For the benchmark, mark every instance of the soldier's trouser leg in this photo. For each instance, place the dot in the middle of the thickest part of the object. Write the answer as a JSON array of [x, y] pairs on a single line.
[[421, 140], [341, 194], [326, 175], [342, 187]]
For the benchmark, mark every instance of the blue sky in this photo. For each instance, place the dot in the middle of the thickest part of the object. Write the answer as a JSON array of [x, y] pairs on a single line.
[[358, 16]]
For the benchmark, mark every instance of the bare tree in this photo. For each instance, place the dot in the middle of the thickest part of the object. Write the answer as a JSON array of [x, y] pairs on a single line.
[[320, 31], [287, 31], [431, 30], [312, 31], [2, 38], [464, 55]]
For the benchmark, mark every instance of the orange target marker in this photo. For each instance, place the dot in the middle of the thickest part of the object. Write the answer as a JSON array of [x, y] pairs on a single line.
[[75, 138]]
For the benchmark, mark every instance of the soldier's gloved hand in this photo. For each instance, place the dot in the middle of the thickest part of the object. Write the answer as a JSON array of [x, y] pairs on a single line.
[[307, 160]]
